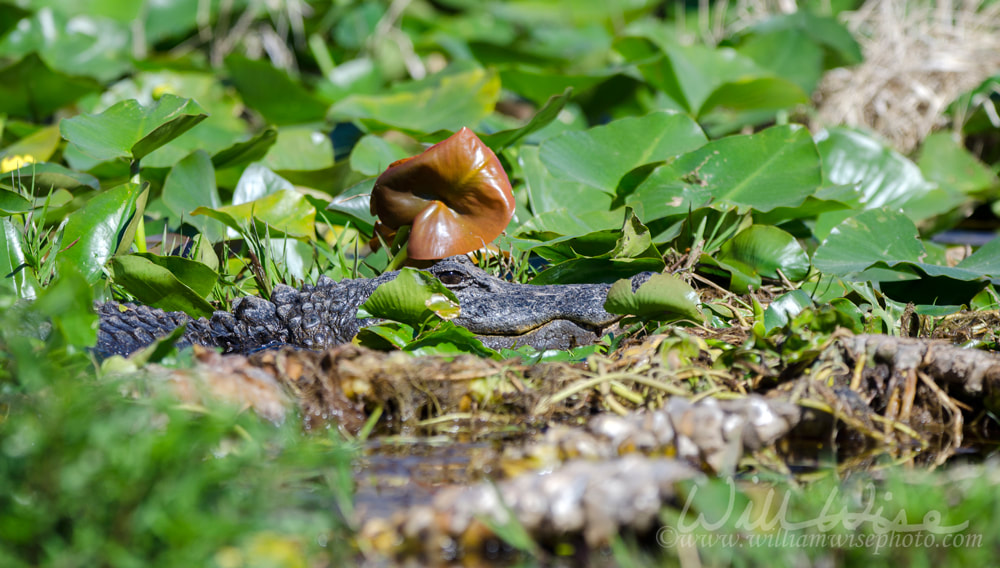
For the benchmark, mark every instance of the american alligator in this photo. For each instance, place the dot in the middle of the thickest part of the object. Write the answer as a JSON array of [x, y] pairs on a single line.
[[501, 313]]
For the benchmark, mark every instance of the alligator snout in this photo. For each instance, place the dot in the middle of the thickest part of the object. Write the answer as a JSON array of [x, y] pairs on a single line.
[[505, 313]]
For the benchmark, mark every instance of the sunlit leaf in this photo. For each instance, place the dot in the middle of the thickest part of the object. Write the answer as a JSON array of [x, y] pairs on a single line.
[[373, 154], [287, 212], [869, 237], [36, 147], [86, 44], [663, 296], [409, 299], [782, 309], [446, 102], [762, 251], [946, 162], [777, 167], [599, 157], [300, 148], [129, 130], [94, 233], [549, 193]]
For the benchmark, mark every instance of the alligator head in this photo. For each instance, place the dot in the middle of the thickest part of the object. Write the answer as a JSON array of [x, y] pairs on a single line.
[[507, 314], [503, 314]]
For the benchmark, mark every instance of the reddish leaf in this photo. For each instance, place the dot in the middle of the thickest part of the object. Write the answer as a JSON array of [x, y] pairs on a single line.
[[455, 195]]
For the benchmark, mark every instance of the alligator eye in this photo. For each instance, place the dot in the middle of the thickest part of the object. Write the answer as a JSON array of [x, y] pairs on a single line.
[[451, 277]]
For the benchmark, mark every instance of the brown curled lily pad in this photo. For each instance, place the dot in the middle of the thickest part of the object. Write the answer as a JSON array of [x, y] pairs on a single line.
[[455, 195]]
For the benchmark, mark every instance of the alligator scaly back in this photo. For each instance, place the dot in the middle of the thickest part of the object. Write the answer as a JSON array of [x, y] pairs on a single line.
[[314, 317]]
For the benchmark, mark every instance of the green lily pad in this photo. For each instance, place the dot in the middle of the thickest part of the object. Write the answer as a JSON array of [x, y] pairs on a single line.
[[662, 297], [130, 130], [190, 185], [948, 163], [764, 93], [449, 339], [30, 89], [549, 193], [883, 245], [84, 44], [601, 256], [601, 156], [300, 148], [271, 92], [539, 84], [868, 237], [170, 283], [373, 154], [353, 205], [447, 101], [881, 177], [414, 297], [690, 74], [777, 167]]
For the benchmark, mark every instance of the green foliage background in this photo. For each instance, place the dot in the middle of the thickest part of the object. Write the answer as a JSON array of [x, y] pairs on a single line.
[[244, 137]]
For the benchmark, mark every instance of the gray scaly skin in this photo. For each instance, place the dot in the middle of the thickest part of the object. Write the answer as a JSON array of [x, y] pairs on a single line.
[[501, 313]]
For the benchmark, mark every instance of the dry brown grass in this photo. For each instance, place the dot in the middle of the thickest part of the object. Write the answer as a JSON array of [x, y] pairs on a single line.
[[919, 57]]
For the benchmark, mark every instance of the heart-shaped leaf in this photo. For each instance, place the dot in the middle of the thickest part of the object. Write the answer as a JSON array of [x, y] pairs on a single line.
[[130, 130], [456, 195], [777, 167]]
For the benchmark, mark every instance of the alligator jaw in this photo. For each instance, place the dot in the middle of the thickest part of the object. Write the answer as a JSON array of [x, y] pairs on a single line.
[[556, 334], [547, 317]]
